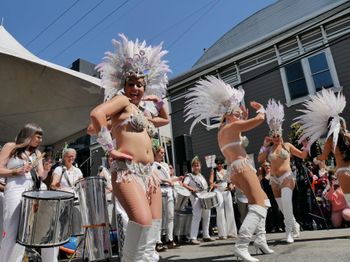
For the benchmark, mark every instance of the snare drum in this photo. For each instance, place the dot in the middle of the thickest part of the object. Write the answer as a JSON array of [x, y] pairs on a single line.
[[208, 200], [182, 197], [45, 219]]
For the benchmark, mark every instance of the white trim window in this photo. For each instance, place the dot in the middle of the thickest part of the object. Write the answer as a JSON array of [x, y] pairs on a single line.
[[311, 73]]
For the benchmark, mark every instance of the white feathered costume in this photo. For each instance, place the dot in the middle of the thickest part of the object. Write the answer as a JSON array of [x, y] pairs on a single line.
[[319, 109], [211, 97]]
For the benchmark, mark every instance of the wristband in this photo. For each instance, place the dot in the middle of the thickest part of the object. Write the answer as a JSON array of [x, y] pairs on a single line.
[[261, 110], [263, 149], [104, 138]]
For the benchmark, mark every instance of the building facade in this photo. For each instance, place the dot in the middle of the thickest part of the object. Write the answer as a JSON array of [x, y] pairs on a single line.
[[286, 51]]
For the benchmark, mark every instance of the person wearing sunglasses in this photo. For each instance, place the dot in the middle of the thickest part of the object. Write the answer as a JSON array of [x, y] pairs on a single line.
[[278, 153]]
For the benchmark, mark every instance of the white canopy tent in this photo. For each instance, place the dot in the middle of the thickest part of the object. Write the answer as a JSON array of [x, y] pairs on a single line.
[[34, 90]]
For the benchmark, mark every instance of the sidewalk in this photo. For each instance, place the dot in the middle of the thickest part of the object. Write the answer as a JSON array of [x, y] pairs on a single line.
[[320, 246]]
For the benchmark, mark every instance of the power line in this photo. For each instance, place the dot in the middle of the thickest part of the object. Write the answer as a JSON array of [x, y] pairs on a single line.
[[68, 29], [179, 21], [193, 24], [53, 22], [297, 58], [83, 35]]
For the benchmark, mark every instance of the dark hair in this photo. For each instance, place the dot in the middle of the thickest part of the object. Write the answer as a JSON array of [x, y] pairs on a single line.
[[343, 142], [24, 137], [219, 160]]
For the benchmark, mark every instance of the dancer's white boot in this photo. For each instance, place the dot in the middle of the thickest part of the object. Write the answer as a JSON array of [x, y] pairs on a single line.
[[260, 240], [150, 253], [135, 243], [254, 216], [296, 226], [286, 197]]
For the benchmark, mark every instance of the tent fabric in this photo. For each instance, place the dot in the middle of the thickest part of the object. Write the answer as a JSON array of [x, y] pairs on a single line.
[[34, 90]]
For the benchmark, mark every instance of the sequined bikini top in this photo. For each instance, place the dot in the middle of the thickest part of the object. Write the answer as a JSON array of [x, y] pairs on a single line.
[[284, 154], [139, 122], [244, 142]]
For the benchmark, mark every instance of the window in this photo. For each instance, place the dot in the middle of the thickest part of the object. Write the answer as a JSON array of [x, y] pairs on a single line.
[[314, 69], [296, 80], [320, 72]]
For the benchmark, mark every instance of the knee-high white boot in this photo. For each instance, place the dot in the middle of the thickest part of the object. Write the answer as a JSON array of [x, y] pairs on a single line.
[[296, 226], [150, 252], [135, 243], [255, 214], [260, 240], [286, 195]]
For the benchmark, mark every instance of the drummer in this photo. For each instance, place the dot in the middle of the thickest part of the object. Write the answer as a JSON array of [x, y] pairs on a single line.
[[162, 170], [225, 218], [64, 178], [20, 164], [196, 183]]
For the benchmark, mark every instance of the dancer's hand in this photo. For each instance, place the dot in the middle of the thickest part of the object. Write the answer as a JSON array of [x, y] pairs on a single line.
[[119, 155], [152, 98], [304, 143], [267, 141], [256, 105]]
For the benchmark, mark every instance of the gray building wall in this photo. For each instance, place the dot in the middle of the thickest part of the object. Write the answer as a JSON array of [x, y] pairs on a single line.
[[267, 86]]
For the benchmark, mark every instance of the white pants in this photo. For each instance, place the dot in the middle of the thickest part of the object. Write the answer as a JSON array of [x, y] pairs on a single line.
[[225, 218], [197, 213], [12, 209], [170, 213]]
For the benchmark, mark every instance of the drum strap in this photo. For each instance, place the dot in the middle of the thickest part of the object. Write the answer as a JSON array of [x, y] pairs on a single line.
[[67, 178], [33, 173]]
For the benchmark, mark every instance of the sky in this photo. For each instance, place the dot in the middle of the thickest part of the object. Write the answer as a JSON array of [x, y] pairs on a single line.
[[65, 30]]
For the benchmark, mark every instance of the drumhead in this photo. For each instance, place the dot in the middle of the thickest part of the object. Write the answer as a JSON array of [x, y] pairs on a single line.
[[206, 194], [182, 190], [48, 194], [86, 179]]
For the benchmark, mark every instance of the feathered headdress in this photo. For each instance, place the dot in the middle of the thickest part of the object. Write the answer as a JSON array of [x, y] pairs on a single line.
[[212, 97], [274, 116], [319, 110], [134, 59]]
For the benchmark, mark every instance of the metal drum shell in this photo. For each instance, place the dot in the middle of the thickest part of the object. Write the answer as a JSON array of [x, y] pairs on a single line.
[[92, 200], [45, 219], [208, 200], [182, 197]]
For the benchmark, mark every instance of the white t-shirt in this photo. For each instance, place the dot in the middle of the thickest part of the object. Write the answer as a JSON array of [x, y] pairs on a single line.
[[73, 175], [196, 181], [161, 170]]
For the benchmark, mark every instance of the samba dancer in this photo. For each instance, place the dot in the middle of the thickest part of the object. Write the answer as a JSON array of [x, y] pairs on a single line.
[[282, 179], [214, 98], [137, 69], [225, 217], [320, 117], [162, 169], [17, 161]]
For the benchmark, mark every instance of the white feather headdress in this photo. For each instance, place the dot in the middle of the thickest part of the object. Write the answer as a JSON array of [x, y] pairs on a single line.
[[134, 58], [319, 109], [211, 97], [274, 116]]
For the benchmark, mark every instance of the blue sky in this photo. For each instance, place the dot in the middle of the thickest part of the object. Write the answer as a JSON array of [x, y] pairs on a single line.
[[84, 28]]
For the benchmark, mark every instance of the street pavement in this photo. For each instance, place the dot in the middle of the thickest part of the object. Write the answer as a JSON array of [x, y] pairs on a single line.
[[320, 245]]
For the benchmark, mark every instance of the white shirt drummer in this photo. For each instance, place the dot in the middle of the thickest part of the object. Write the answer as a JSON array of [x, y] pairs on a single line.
[[196, 183], [68, 177]]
